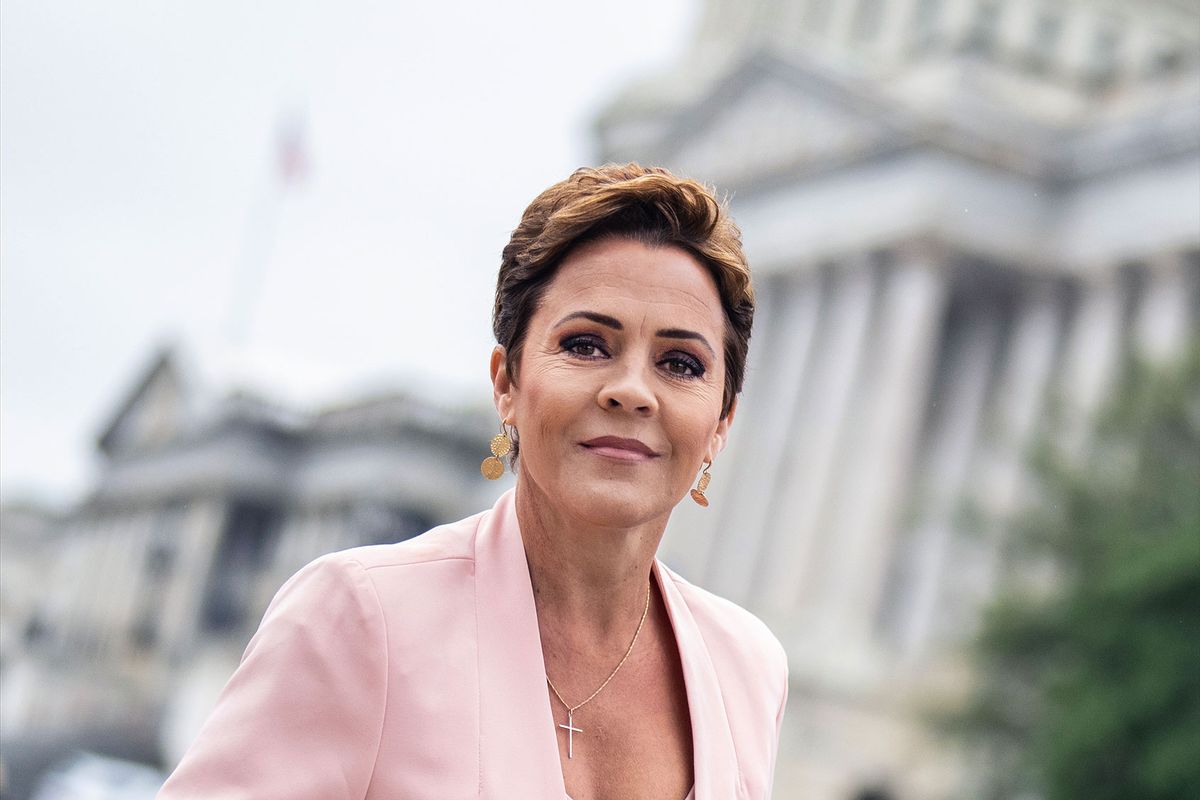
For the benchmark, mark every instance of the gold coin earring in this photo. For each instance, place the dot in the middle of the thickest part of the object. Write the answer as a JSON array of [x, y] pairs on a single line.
[[502, 444], [702, 486]]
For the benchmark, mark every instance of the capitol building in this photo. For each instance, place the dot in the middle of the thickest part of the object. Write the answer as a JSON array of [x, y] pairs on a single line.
[[966, 218]]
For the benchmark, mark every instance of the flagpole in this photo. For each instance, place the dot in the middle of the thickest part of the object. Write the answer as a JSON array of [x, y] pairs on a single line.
[[260, 235]]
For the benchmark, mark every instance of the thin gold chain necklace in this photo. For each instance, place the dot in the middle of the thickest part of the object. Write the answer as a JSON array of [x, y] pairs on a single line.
[[570, 726]]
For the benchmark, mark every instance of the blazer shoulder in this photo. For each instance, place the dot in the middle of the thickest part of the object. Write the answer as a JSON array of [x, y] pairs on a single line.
[[725, 622], [452, 541]]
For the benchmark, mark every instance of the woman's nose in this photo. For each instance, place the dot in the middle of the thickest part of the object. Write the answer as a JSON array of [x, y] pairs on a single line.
[[628, 389]]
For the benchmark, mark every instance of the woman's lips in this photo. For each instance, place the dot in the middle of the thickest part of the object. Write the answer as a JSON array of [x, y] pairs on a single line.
[[619, 448]]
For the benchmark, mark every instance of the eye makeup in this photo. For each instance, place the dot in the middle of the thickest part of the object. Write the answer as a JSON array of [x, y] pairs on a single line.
[[616, 325]]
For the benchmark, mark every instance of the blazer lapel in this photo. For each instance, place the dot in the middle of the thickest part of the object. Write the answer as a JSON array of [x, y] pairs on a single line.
[[518, 753], [715, 760]]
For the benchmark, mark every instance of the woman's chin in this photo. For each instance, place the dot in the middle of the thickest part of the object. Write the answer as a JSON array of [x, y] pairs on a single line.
[[613, 503]]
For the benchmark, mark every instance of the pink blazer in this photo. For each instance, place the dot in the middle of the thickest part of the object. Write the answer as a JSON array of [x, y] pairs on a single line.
[[415, 670]]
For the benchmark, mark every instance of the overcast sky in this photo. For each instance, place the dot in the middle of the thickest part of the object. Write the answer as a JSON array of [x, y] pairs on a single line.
[[138, 193]]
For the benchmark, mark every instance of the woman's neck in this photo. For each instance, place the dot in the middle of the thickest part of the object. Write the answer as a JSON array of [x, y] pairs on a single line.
[[589, 580]]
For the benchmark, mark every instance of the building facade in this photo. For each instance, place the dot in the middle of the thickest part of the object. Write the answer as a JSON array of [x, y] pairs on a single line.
[[203, 508], [964, 217]]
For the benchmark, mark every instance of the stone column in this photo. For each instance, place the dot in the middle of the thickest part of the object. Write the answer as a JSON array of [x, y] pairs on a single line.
[[806, 474], [127, 574], [896, 31], [788, 22], [955, 21], [102, 588], [1018, 22], [1076, 39], [1090, 359], [762, 433], [693, 533], [199, 535], [882, 429], [943, 471], [1162, 321], [1001, 465], [841, 19], [63, 608], [85, 589], [1021, 397]]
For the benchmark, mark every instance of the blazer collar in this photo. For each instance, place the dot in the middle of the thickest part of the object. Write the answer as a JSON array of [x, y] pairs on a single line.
[[518, 753], [518, 748], [715, 760]]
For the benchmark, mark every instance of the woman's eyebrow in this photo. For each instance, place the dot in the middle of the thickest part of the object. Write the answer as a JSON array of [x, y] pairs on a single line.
[[599, 319], [681, 333]]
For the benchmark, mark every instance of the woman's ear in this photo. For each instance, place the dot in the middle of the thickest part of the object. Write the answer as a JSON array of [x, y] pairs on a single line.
[[721, 434], [502, 384]]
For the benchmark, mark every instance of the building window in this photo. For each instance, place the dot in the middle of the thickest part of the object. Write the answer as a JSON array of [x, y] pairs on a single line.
[[981, 36], [873, 793], [36, 630], [158, 564], [164, 535], [1168, 58], [144, 634], [1102, 64], [160, 558], [242, 556], [1047, 32]]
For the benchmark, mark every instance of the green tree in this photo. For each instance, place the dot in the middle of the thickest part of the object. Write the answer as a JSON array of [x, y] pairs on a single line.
[[1089, 688]]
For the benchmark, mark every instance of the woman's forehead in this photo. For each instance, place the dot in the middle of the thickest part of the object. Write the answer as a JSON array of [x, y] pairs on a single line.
[[627, 275]]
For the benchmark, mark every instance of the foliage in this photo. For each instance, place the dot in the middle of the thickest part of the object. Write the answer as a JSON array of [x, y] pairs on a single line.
[[1090, 688]]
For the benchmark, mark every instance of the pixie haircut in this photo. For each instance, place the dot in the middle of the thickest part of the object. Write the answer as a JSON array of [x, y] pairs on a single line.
[[646, 204]]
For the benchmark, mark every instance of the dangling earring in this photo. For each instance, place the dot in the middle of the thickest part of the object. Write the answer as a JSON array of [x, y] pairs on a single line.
[[502, 444], [702, 486]]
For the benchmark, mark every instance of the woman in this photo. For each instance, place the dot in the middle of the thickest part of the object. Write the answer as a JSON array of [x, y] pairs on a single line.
[[538, 650]]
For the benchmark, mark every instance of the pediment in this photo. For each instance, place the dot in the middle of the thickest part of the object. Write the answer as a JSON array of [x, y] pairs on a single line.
[[770, 116], [153, 412]]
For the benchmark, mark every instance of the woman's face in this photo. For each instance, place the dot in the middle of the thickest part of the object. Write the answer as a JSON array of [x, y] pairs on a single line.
[[619, 384]]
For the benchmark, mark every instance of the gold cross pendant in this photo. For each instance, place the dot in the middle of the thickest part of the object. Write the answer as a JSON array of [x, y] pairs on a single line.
[[571, 731]]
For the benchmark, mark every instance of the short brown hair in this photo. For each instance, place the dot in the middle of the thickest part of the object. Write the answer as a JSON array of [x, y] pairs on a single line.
[[647, 204]]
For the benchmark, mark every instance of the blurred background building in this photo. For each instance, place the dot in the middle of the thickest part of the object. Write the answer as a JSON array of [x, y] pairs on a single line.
[[208, 500], [965, 217]]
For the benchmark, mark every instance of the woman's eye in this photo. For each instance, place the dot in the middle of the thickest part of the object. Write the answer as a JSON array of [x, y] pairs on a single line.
[[683, 365], [585, 346]]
